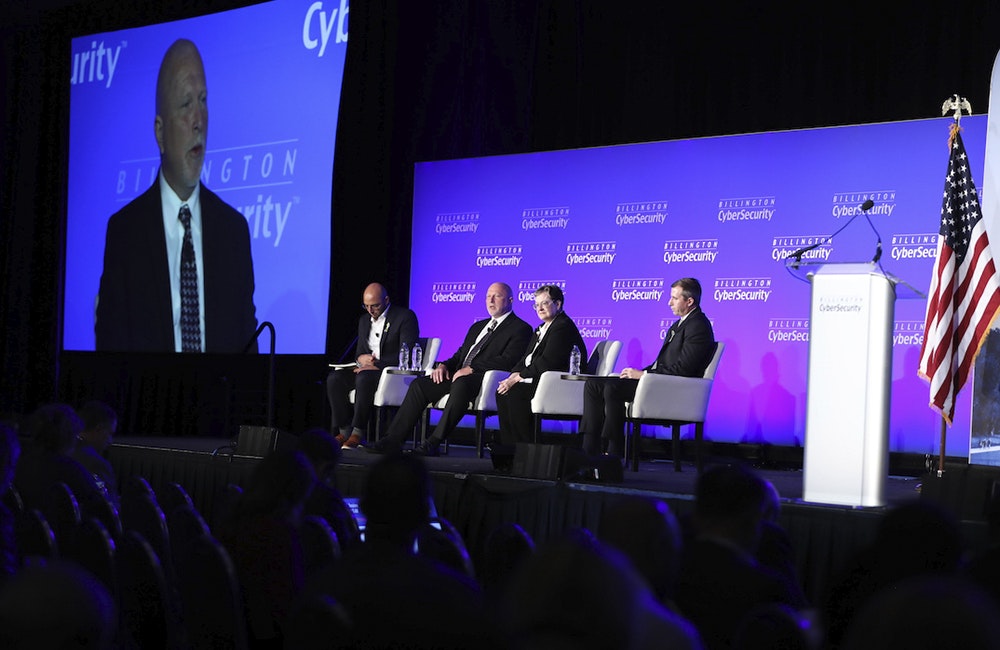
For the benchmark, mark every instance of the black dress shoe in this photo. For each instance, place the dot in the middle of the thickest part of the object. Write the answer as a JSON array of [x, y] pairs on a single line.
[[383, 446], [429, 447]]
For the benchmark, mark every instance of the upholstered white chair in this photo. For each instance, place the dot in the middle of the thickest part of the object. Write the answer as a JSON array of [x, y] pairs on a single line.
[[668, 400], [482, 407], [392, 388], [562, 399]]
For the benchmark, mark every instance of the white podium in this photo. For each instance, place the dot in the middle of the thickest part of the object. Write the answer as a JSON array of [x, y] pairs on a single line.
[[850, 372]]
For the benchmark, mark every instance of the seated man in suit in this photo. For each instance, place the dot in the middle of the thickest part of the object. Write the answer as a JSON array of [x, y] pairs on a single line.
[[686, 351], [381, 332], [495, 343], [549, 350], [178, 273]]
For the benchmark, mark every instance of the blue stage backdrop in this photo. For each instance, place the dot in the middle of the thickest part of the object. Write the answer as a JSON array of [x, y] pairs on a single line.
[[274, 74], [615, 226]]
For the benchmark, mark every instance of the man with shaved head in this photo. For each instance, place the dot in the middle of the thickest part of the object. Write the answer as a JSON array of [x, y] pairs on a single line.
[[382, 330], [178, 274]]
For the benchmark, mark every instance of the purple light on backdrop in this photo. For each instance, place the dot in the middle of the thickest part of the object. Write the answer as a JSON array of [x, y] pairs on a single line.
[[614, 226], [274, 73]]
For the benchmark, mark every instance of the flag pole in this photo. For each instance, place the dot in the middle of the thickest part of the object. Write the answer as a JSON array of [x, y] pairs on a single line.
[[944, 429]]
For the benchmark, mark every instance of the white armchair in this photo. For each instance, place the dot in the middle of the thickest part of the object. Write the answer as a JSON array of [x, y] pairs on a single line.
[[392, 388], [561, 399], [482, 407], [668, 400]]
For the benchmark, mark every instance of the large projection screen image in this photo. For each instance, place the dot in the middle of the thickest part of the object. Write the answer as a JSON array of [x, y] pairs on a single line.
[[615, 226], [273, 75]]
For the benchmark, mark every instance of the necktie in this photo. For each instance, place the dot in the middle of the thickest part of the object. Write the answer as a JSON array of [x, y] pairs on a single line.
[[190, 318], [480, 344]]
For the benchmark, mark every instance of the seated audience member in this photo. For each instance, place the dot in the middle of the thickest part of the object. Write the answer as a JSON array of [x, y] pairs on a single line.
[[263, 540], [100, 422], [54, 429], [10, 451], [394, 597], [913, 539], [325, 500], [647, 533], [382, 330], [686, 351], [549, 349], [720, 579], [494, 343], [926, 612], [56, 605], [575, 592], [775, 550], [508, 546]]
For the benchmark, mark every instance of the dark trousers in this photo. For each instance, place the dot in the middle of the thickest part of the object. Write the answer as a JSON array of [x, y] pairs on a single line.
[[339, 384], [517, 423], [603, 420], [423, 392]]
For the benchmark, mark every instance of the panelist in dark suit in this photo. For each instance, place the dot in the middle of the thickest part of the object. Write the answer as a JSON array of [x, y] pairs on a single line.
[[381, 332], [549, 349], [686, 351], [495, 343], [178, 273]]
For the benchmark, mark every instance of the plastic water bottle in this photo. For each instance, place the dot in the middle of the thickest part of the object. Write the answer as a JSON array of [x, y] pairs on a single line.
[[418, 358], [574, 361], [404, 357]]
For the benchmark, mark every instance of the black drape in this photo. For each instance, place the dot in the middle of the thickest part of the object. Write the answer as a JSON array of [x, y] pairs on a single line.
[[439, 79]]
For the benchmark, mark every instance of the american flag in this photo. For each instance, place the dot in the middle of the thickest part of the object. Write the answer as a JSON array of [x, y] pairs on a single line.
[[965, 292]]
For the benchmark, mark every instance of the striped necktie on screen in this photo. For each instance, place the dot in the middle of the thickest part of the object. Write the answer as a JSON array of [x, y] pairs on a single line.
[[480, 344], [190, 318]]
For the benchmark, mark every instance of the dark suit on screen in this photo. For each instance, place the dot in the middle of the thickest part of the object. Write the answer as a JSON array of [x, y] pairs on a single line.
[[552, 353], [686, 352], [134, 309], [400, 327], [501, 352]]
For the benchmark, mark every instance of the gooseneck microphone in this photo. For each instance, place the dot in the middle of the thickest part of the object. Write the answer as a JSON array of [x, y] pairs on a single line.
[[796, 257], [867, 205]]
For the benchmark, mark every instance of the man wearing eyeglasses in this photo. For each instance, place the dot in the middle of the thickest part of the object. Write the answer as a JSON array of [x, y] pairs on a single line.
[[494, 343], [549, 349], [686, 351], [382, 330]]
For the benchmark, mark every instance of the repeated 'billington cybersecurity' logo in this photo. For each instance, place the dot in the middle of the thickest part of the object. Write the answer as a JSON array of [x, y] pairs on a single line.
[[456, 222], [594, 327], [783, 247], [908, 332], [635, 213], [637, 289], [841, 304], [526, 288], [453, 292], [751, 208], [788, 330], [591, 252], [848, 204], [742, 289], [913, 247], [544, 218], [690, 250], [490, 256]]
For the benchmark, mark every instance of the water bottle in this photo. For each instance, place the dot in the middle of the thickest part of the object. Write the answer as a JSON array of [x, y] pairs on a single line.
[[418, 358], [574, 361], [404, 357]]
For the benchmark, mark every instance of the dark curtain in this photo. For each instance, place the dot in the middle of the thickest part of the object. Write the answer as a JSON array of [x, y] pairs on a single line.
[[439, 79]]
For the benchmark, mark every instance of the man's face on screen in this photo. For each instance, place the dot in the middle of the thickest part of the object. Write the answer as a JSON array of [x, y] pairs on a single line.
[[182, 119]]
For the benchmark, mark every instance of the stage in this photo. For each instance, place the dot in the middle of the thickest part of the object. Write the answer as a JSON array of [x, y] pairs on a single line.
[[476, 498]]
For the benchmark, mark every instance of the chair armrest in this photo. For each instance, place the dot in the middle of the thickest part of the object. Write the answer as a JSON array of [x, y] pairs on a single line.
[[392, 388], [487, 398], [555, 396], [668, 397]]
